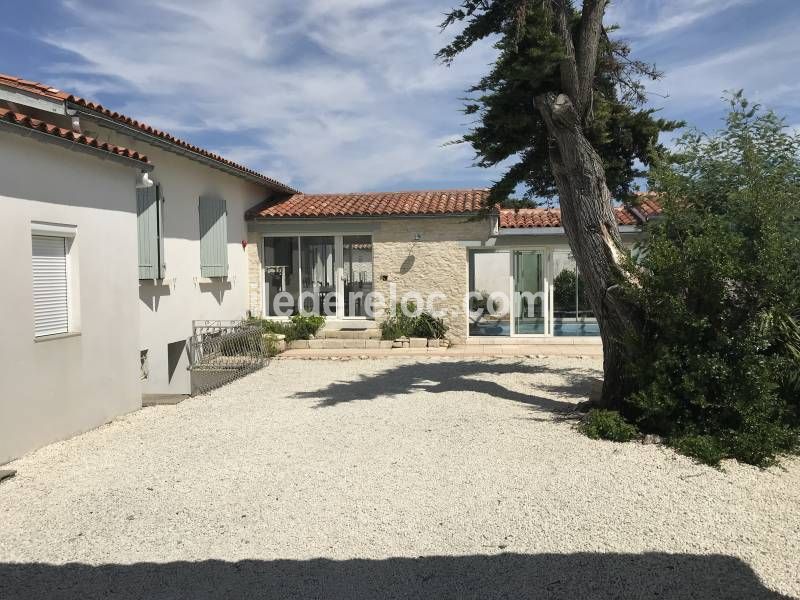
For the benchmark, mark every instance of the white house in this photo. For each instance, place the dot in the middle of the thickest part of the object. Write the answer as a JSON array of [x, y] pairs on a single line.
[[70, 332], [117, 236], [85, 336]]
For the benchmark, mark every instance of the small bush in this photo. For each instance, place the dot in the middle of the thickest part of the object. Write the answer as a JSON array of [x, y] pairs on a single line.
[[306, 326], [428, 326], [703, 448], [607, 425], [298, 327], [423, 325]]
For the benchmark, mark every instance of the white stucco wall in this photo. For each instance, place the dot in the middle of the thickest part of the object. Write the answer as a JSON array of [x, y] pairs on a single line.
[[53, 389], [167, 308]]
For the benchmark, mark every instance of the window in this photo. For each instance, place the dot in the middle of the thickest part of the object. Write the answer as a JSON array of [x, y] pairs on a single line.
[[149, 211], [213, 237], [489, 302], [52, 294], [318, 273], [572, 315], [144, 365], [357, 264], [329, 274], [281, 273]]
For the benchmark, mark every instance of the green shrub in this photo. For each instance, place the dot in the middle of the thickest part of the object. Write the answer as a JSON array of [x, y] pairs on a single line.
[[307, 325], [607, 425], [298, 327], [718, 357], [704, 448], [401, 324], [428, 326]]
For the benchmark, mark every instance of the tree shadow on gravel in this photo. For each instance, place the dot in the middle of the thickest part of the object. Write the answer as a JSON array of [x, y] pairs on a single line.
[[448, 377], [484, 577]]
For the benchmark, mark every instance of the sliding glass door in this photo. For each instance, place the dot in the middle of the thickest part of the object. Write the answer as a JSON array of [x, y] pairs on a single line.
[[357, 273], [529, 292], [318, 274], [325, 275], [572, 315], [281, 275], [489, 284]]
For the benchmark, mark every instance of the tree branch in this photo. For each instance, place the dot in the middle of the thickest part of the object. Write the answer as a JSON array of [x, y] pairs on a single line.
[[569, 66], [591, 28]]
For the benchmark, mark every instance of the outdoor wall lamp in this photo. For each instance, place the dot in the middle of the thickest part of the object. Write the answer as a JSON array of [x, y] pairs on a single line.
[[143, 181]]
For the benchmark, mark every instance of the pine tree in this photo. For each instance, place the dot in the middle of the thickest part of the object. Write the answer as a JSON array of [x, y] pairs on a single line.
[[566, 101]]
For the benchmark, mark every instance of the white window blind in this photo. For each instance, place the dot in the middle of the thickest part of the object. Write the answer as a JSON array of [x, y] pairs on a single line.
[[50, 288]]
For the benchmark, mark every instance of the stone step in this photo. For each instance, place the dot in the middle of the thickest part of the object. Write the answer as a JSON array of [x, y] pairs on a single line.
[[339, 344], [350, 334]]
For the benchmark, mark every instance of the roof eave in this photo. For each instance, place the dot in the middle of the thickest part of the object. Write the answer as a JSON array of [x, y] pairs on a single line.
[[503, 231], [16, 95], [283, 219], [169, 146], [73, 145]]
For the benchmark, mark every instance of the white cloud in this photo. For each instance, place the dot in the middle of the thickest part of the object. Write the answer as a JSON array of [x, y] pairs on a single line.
[[765, 70], [642, 18], [332, 95]]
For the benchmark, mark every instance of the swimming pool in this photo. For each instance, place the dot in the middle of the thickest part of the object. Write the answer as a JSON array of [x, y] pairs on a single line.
[[560, 329]]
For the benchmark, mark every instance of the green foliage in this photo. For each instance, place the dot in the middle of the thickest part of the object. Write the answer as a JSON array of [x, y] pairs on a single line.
[[245, 343], [607, 425], [508, 126], [703, 448], [306, 325], [299, 327], [404, 325], [269, 346], [428, 326], [564, 286], [717, 361]]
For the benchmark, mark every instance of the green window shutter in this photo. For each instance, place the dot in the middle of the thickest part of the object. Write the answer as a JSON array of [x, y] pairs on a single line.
[[147, 213], [213, 237]]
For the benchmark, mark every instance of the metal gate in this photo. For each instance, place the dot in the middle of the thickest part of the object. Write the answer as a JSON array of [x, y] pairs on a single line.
[[221, 351]]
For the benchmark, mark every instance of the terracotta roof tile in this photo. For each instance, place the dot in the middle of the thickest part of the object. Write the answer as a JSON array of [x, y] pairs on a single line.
[[67, 134], [373, 204], [55, 94], [33, 87], [511, 218]]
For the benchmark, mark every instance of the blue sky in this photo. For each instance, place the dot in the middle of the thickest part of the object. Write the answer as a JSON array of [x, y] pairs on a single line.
[[344, 95]]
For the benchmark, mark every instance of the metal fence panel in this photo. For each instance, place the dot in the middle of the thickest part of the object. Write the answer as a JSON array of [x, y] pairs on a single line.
[[222, 351]]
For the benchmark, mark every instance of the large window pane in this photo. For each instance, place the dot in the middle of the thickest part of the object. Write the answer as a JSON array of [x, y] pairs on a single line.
[[528, 292], [281, 259], [357, 259], [489, 304], [572, 315], [319, 275]]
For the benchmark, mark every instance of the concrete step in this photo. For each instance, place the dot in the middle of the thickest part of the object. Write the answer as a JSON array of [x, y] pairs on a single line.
[[340, 344], [350, 334]]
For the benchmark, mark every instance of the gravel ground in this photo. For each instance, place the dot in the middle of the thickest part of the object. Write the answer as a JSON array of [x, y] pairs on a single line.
[[395, 478]]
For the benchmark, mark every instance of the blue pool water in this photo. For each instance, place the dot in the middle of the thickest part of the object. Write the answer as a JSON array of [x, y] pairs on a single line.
[[573, 329]]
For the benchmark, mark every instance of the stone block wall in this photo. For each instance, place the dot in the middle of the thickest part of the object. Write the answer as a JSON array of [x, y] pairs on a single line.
[[434, 263], [255, 274]]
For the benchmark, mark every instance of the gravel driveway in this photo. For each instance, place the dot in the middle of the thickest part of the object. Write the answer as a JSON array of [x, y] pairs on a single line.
[[394, 478]]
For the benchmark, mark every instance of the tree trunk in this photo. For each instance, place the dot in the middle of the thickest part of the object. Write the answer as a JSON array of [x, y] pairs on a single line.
[[593, 234]]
